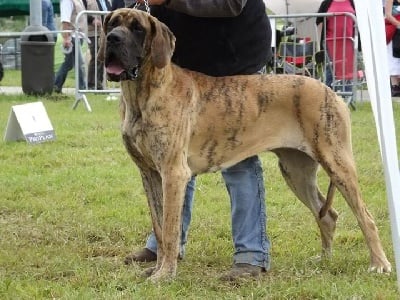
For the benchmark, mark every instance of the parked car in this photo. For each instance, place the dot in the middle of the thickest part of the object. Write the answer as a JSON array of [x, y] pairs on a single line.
[[10, 53]]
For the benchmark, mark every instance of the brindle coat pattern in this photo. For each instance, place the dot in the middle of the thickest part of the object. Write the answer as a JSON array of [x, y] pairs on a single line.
[[177, 123]]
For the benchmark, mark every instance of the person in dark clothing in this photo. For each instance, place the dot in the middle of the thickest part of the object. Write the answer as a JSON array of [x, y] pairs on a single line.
[[117, 4], [221, 38]]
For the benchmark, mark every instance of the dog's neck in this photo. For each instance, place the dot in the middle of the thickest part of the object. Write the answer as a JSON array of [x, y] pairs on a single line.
[[150, 75]]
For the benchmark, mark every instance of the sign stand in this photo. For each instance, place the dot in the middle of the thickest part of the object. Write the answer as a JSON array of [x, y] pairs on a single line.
[[29, 122]]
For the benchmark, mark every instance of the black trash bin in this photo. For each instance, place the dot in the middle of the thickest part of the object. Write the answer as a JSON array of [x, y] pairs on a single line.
[[37, 61]]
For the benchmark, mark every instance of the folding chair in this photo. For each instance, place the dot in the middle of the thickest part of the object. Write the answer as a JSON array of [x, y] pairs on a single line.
[[296, 57]]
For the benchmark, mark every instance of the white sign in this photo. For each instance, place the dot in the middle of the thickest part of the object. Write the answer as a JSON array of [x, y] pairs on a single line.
[[29, 122]]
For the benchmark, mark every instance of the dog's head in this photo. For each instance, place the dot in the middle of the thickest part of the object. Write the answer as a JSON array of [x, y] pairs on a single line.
[[131, 36]]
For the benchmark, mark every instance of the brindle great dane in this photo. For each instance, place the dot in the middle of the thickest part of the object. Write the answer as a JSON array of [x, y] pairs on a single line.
[[177, 123]]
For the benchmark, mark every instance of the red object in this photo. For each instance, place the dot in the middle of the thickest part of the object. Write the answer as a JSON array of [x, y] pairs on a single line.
[[340, 39], [390, 29], [341, 51]]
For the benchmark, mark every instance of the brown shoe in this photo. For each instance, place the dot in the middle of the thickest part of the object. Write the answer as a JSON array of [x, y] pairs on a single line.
[[144, 255], [242, 271]]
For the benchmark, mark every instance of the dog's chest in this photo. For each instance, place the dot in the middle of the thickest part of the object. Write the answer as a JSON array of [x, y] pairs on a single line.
[[144, 142]]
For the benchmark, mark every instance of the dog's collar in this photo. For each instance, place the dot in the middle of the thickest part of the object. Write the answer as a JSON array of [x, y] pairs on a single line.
[[133, 74]]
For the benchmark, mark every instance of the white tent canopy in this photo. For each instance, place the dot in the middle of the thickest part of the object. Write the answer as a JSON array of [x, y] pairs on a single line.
[[304, 26], [286, 7]]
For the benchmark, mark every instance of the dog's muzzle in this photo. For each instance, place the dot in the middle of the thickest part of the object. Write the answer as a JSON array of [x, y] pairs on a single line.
[[122, 62], [115, 72]]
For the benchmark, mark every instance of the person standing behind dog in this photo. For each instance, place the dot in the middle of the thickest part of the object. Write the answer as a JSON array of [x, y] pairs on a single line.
[[115, 4], [222, 38], [69, 9], [96, 68]]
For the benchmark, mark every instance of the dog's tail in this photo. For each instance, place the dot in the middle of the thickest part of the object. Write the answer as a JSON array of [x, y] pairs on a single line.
[[329, 199]]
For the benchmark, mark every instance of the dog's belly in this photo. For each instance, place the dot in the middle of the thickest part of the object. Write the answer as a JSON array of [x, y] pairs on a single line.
[[215, 151], [256, 114]]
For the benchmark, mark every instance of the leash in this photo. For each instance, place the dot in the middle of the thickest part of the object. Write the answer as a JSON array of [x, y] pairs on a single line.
[[146, 5]]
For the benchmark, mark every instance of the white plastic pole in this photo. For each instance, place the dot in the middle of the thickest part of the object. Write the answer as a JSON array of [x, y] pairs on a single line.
[[372, 31]]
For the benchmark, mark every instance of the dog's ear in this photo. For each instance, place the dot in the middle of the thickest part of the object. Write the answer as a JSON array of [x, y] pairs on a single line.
[[162, 44], [103, 36]]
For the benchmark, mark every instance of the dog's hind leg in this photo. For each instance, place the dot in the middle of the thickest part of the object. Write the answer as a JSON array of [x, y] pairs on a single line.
[[340, 166], [300, 173]]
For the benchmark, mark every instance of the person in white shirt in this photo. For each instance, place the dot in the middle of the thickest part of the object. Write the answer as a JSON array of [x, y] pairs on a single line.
[[69, 9]]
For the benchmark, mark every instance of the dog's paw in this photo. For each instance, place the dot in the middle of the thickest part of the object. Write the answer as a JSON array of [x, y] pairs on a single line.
[[383, 266], [162, 276], [149, 271]]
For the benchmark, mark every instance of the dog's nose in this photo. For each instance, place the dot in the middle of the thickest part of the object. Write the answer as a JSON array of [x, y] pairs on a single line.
[[114, 37]]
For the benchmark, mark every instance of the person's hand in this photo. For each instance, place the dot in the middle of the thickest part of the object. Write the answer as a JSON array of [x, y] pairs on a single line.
[[97, 22], [152, 2], [67, 42]]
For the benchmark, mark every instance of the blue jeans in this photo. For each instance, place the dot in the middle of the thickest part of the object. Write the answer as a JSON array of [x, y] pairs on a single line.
[[67, 65], [245, 184]]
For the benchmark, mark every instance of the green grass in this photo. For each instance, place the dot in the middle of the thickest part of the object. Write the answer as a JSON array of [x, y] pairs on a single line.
[[70, 210]]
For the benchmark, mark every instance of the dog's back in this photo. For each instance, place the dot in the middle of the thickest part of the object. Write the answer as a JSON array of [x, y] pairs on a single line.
[[235, 115]]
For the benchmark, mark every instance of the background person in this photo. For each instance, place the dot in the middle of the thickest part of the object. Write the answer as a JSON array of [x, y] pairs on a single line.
[[48, 17], [117, 4], [95, 68], [69, 10], [221, 38], [337, 35]]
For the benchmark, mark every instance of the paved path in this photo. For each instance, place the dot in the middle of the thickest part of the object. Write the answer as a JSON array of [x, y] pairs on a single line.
[[15, 90]]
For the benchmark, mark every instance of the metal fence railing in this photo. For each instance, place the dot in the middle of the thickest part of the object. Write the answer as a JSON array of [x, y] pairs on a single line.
[[298, 49]]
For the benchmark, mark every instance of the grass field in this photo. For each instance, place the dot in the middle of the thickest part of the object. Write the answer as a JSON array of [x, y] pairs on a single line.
[[70, 210]]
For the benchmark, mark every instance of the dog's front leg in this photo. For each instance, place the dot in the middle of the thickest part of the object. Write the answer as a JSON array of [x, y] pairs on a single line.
[[174, 183], [152, 184]]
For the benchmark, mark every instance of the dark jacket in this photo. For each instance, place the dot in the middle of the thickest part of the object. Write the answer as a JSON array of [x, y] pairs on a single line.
[[220, 46], [117, 4]]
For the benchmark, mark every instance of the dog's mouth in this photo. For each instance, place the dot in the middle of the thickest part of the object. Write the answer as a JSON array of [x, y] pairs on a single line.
[[117, 71]]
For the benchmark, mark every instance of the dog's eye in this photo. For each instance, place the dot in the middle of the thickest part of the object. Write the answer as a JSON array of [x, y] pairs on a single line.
[[135, 26], [112, 24], [109, 28]]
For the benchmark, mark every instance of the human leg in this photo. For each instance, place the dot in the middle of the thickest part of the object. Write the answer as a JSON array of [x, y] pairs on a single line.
[[245, 184], [394, 70], [92, 64], [328, 71], [149, 253], [62, 72], [100, 69], [81, 62]]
